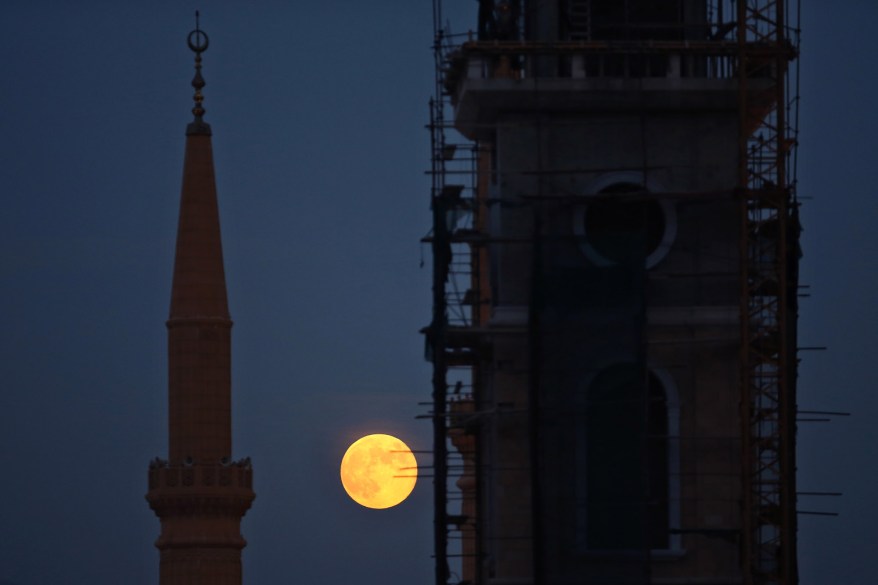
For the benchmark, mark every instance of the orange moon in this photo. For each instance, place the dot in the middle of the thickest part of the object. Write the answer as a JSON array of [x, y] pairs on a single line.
[[379, 471]]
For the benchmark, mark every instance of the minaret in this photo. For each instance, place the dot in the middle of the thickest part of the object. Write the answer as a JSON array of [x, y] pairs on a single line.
[[199, 493]]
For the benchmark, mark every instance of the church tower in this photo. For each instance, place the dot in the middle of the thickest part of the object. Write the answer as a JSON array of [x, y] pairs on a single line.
[[615, 244], [199, 493]]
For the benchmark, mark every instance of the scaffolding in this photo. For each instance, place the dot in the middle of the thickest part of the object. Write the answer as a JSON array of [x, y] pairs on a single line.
[[769, 287], [749, 42], [456, 311]]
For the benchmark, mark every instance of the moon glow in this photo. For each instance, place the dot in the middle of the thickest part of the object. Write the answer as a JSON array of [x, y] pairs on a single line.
[[378, 471]]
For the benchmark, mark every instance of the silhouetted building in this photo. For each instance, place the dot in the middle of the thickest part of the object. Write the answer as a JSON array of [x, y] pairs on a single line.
[[615, 245], [199, 493]]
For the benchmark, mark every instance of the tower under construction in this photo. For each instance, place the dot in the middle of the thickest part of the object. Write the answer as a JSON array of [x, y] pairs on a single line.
[[615, 273]]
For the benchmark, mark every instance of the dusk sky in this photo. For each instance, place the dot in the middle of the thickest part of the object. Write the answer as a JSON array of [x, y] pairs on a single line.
[[318, 112]]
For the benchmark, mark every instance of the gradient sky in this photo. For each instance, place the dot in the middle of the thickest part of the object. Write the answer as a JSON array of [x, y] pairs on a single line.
[[318, 112]]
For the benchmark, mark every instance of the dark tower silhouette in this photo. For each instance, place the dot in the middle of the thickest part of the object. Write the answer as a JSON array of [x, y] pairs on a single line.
[[199, 493], [615, 246]]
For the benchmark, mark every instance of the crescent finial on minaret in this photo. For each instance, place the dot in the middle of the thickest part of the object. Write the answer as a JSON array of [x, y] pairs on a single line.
[[198, 42]]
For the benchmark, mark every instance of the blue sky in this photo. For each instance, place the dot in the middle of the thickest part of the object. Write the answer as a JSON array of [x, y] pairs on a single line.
[[318, 112]]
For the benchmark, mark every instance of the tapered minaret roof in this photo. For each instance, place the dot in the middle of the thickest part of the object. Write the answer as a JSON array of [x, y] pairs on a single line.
[[199, 288]]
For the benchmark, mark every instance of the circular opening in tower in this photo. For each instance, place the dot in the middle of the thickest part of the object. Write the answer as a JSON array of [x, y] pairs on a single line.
[[624, 224]]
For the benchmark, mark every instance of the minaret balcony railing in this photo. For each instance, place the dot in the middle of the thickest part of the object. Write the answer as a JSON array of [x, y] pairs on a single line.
[[224, 486]]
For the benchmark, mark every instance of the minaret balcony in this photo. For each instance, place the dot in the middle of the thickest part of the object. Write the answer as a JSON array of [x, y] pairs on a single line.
[[225, 488]]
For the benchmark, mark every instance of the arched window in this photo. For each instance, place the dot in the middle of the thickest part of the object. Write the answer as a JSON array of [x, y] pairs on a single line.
[[626, 455]]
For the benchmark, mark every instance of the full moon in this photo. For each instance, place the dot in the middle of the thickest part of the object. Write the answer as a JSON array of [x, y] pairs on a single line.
[[379, 471]]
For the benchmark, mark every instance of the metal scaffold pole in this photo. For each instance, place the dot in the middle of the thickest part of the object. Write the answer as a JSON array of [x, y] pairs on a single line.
[[436, 337], [769, 235]]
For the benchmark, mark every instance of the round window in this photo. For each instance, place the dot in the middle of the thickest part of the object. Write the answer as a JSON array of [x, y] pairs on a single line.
[[623, 224]]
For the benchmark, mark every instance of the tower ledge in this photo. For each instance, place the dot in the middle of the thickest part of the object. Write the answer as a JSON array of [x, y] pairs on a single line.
[[486, 79]]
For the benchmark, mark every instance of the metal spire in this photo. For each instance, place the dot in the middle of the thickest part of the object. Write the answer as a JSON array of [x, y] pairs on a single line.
[[198, 42]]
